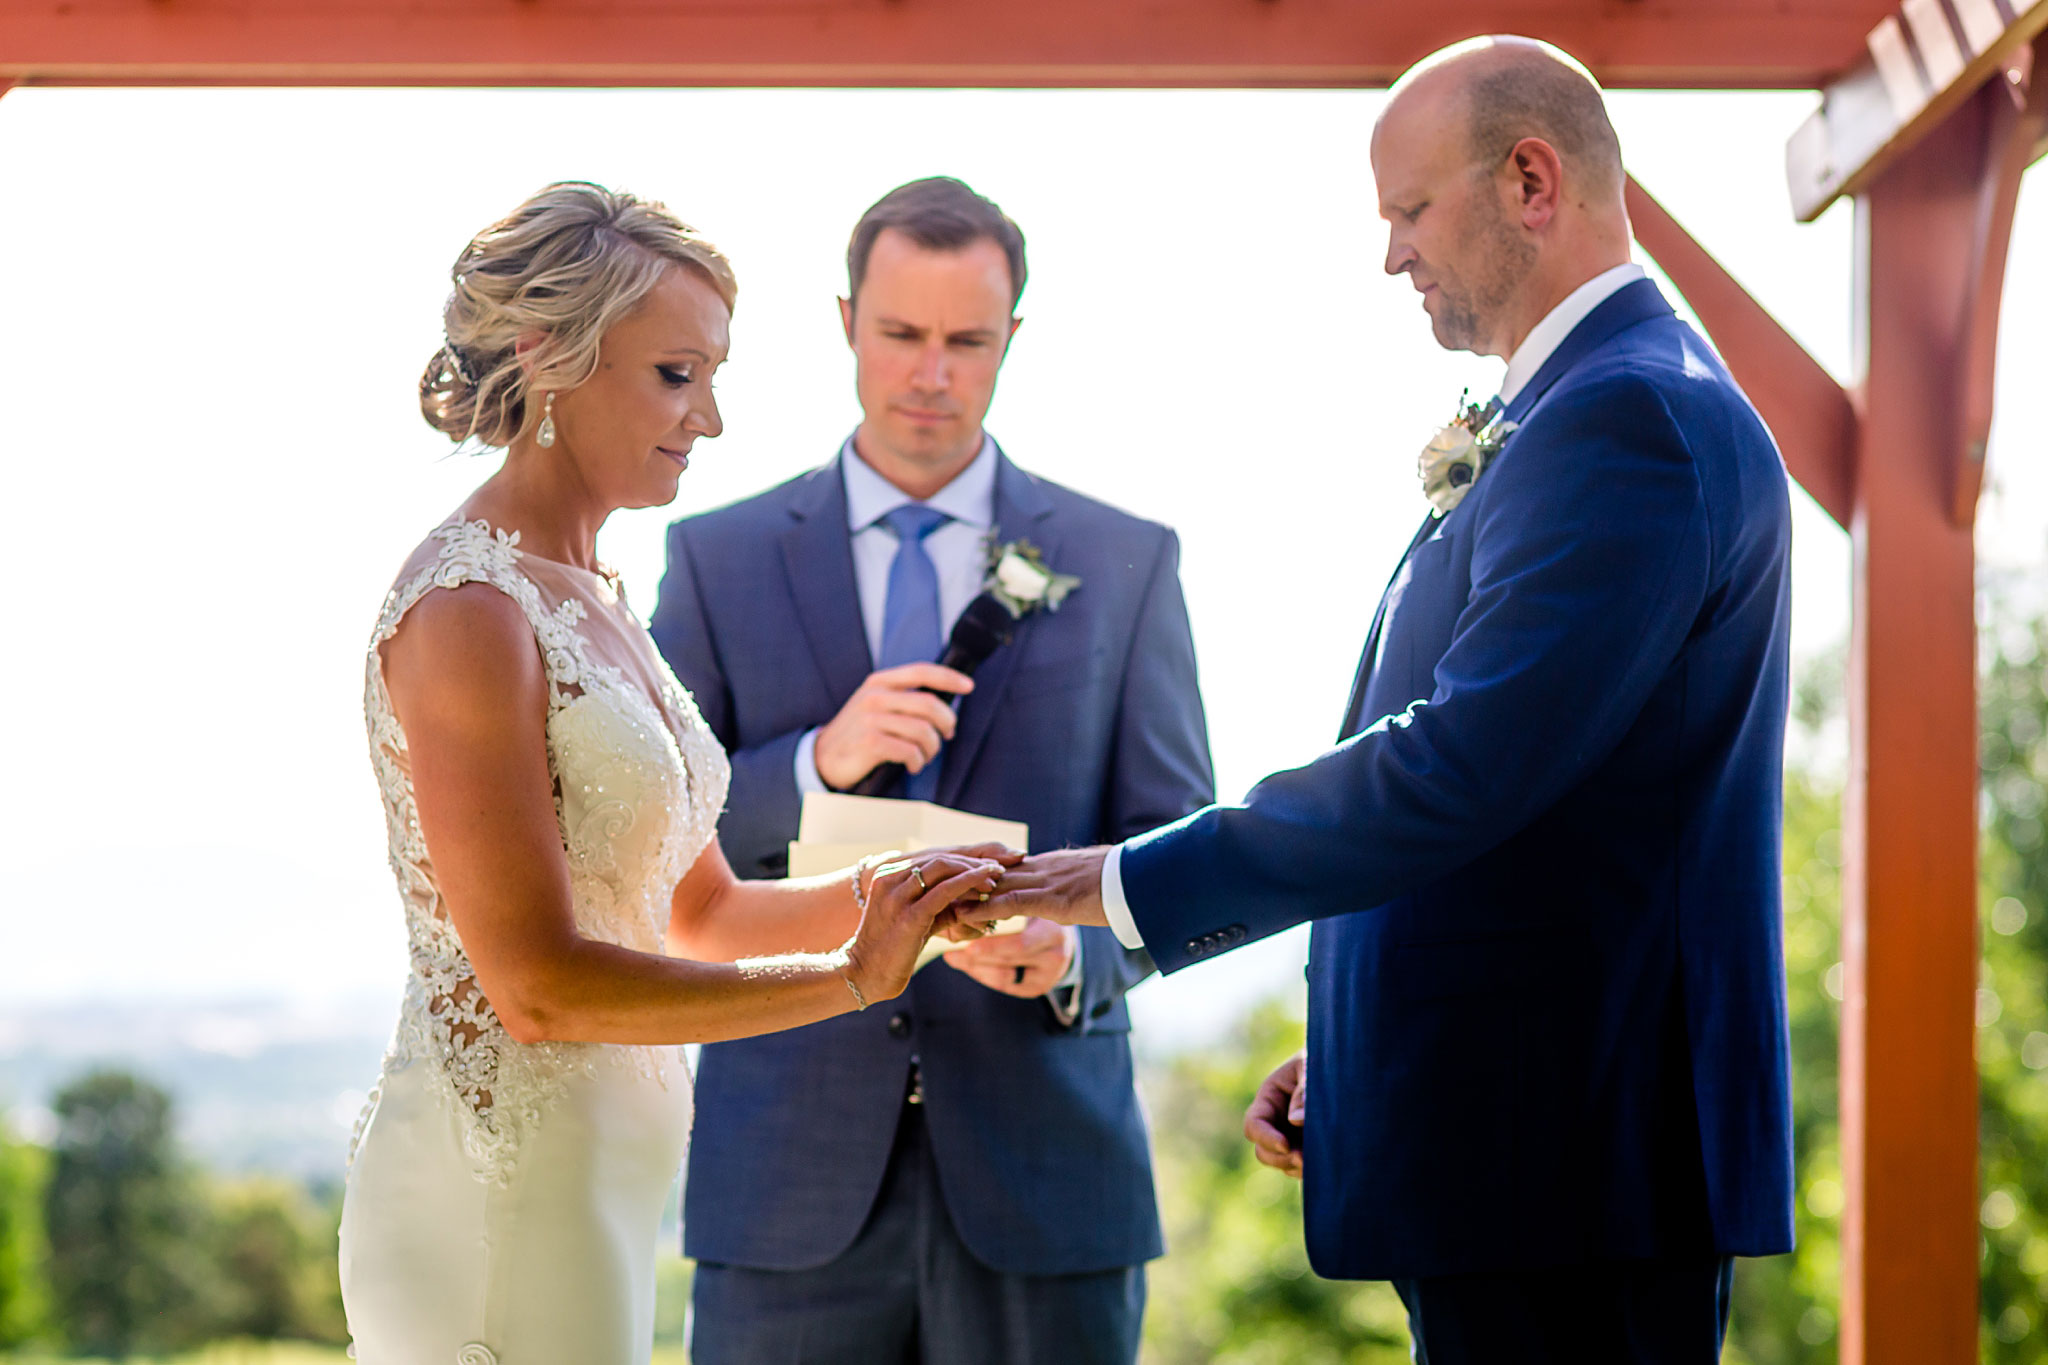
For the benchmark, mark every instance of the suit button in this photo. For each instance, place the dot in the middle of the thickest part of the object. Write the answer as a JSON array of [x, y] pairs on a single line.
[[1195, 947], [899, 1026]]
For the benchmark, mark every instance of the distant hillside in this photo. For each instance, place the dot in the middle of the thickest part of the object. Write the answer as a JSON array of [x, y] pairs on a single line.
[[267, 1085]]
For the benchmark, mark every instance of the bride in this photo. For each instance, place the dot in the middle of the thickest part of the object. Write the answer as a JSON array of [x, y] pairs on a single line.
[[551, 797]]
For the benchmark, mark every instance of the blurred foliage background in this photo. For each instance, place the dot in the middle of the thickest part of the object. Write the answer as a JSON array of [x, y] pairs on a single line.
[[113, 1245]]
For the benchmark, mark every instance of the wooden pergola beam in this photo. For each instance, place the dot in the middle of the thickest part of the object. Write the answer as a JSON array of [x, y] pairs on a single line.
[[1918, 67], [1682, 43]]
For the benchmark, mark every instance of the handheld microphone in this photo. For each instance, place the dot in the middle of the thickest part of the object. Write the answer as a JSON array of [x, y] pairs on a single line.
[[986, 626]]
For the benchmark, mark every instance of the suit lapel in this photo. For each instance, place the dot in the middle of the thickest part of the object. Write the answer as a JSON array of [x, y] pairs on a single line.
[[1023, 512], [1363, 678], [1635, 302], [817, 554]]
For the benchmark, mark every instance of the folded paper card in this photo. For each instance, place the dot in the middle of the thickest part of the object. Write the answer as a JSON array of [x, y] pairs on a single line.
[[837, 830]]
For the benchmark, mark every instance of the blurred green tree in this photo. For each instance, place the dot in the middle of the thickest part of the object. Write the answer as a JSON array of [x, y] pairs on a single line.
[[24, 1286], [2012, 1006], [1235, 1287], [128, 1269], [275, 1263]]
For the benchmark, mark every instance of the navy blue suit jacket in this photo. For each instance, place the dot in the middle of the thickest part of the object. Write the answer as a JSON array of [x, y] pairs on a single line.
[[1546, 980], [1089, 727]]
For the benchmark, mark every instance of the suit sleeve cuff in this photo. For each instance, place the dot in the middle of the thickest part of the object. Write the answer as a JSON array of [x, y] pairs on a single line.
[[1114, 907], [1065, 995], [807, 778]]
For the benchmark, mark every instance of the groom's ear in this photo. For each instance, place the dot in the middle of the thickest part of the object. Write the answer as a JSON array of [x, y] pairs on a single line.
[[1539, 181], [846, 319]]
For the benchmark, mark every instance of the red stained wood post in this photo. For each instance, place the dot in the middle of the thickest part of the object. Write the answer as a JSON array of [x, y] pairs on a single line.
[[1909, 904]]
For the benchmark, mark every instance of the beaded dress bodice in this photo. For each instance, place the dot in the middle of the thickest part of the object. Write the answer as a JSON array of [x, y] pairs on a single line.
[[639, 784]]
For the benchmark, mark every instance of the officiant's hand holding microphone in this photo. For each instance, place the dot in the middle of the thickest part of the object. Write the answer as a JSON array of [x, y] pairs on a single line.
[[897, 716]]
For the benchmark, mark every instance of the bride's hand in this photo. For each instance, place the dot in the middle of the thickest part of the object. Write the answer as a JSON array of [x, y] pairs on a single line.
[[904, 900]]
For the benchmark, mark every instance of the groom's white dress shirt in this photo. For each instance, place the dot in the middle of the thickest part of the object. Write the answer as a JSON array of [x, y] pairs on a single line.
[[1544, 338], [958, 551]]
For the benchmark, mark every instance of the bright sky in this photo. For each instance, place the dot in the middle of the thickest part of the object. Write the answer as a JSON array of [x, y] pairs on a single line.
[[219, 303]]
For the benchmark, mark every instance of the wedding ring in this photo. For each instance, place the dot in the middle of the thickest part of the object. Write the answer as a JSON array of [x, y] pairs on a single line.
[[918, 873]]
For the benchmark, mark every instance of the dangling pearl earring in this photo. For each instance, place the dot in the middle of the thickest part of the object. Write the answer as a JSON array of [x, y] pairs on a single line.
[[546, 435]]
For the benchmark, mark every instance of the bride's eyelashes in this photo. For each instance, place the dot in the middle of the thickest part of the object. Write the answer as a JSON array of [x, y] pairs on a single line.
[[675, 376]]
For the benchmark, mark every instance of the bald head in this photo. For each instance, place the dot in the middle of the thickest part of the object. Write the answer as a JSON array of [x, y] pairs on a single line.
[[1500, 179], [1503, 90]]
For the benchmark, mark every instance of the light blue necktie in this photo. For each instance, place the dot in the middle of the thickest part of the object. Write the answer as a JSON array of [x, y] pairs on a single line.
[[910, 615]]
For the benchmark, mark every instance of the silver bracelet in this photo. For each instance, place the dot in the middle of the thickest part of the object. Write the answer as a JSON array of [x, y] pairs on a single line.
[[860, 1002], [860, 871], [860, 892]]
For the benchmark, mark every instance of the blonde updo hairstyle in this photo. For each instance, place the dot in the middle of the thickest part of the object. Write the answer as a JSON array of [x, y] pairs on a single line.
[[565, 265]]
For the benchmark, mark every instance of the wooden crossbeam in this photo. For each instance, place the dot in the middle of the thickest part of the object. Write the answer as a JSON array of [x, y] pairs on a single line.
[[1686, 43], [1920, 64]]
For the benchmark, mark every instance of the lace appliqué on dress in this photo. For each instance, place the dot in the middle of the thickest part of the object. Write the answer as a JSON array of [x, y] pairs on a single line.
[[636, 801]]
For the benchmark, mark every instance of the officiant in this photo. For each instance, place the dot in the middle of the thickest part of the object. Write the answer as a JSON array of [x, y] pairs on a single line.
[[962, 1174]]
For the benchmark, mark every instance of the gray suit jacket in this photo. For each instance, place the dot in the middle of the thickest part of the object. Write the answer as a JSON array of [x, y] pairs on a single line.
[[1089, 727]]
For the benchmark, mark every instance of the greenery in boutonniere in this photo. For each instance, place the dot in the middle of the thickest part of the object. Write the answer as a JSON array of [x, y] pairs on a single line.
[[1022, 581], [1458, 454]]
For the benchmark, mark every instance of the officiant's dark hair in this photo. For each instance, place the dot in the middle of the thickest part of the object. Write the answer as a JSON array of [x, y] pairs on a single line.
[[939, 214], [1523, 91]]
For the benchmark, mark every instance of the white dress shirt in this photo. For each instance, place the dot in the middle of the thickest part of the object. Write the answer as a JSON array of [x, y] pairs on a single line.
[[959, 553], [1543, 339]]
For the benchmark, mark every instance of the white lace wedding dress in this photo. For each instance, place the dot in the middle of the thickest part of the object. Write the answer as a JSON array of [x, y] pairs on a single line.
[[503, 1199]]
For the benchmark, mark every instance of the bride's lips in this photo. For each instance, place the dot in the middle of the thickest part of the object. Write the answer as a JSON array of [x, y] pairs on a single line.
[[681, 457]]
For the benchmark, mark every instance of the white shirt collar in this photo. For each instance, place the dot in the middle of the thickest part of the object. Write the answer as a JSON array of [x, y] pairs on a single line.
[[969, 498], [1547, 335]]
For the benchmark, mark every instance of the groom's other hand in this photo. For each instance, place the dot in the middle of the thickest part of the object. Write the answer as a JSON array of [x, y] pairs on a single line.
[[891, 719], [1063, 886], [1026, 964], [1273, 1122]]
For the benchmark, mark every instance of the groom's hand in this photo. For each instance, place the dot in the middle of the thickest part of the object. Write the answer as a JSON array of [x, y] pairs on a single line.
[[1273, 1123], [1064, 887]]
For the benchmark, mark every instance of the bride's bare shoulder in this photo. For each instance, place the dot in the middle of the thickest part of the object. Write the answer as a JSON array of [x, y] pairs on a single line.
[[468, 647]]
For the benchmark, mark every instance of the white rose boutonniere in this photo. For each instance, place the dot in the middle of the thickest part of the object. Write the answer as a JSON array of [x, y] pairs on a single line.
[[1020, 579], [1459, 453]]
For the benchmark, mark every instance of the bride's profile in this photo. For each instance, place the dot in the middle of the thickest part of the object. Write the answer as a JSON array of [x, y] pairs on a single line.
[[551, 797]]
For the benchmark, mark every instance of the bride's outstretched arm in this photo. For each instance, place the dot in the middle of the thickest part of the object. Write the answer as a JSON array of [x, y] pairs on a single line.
[[716, 917], [471, 696]]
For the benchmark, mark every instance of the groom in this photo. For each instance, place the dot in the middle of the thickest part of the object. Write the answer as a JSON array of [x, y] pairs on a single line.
[[1545, 1090], [962, 1175]]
